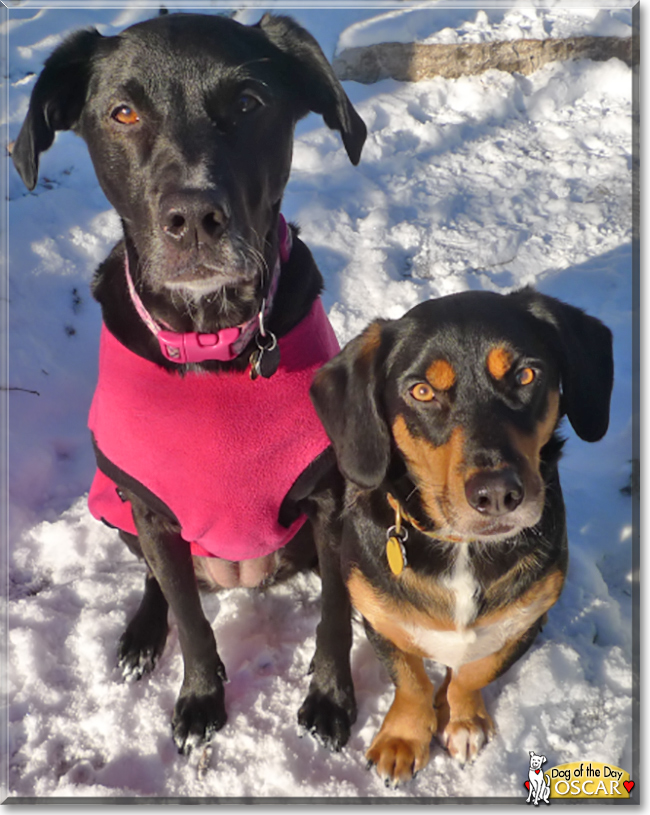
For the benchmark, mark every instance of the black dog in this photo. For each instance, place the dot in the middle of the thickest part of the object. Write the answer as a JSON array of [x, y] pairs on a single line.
[[189, 121], [454, 541]]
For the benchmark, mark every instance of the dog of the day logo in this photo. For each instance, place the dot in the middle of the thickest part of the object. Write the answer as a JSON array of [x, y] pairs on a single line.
[[581, 779]]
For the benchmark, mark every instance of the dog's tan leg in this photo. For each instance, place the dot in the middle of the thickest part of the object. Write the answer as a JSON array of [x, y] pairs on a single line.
[[401, 748], [464, 724]]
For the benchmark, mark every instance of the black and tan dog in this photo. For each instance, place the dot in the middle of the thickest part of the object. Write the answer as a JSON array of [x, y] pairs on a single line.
[[453, 544], [189, 121]]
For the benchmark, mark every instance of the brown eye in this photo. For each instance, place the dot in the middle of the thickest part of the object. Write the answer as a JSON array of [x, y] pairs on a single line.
[[125, 115], [525, 376], [423, 392]]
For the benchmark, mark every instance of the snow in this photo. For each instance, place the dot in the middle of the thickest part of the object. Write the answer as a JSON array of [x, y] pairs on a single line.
[[490, 182], [444, 23]]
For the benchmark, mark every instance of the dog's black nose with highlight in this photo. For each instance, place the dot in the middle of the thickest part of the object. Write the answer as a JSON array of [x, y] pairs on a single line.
[[494, 492], [193, 216]]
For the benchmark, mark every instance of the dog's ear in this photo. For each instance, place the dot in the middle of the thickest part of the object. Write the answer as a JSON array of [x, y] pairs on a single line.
[[56, 102], [321, 90], [584, 349], [345, 393]]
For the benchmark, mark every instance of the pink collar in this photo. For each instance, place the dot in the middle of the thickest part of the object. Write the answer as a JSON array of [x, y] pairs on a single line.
[[226, 344]]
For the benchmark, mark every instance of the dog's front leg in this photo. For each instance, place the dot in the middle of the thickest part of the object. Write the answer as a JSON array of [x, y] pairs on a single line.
[[329, 709], [401, 747], [200, 709]]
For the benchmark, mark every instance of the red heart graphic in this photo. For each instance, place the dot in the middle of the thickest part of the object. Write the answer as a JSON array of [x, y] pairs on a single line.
[[536, 772], [628, 785], [527, 784]]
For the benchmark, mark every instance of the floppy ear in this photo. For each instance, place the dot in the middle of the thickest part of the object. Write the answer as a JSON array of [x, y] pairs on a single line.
[[57, 101], [321, 89], [345, 395], [586, 362]]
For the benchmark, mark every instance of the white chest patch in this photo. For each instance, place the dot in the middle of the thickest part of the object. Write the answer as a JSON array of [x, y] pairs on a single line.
[[463, 587], [464, 643]]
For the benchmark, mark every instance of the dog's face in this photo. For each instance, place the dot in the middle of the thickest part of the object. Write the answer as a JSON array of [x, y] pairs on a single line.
[[467, 391], [180, 114], [470, 405], [189, 121], [536, 761]]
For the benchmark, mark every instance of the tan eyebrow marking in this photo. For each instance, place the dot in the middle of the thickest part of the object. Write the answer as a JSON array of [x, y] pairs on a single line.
[[441, 375], [499, 362]]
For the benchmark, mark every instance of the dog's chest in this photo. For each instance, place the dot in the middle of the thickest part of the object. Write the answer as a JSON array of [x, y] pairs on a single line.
[[440, 618], [469, 637], [220, 451], [460, 642], [463, 644]]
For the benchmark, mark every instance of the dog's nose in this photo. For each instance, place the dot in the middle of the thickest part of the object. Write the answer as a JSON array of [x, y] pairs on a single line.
[[193, 216], [494, 492]]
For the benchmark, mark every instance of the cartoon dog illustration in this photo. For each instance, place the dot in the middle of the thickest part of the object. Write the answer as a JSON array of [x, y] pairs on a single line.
[[539, 787]]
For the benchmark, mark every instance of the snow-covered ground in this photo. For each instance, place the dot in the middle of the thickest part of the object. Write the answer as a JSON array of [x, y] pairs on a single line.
[[493, 182]]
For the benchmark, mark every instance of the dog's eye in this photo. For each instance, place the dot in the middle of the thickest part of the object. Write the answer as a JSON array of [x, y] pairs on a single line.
[[423, 392], [125, 115], [247, 103], [525, 376]]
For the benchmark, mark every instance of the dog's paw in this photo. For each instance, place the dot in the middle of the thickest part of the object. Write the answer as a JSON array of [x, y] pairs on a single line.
[[464, 738], [398, 759], [197, 717], [138, 651], [327, 720]]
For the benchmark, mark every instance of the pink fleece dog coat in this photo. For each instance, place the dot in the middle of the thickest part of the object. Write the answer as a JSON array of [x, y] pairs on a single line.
[[220, 450]]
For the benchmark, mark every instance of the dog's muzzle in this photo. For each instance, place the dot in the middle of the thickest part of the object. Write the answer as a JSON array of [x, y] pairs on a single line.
[[226, 344]]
